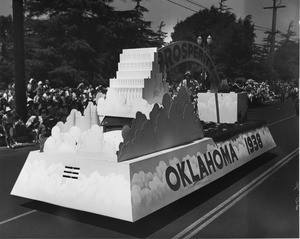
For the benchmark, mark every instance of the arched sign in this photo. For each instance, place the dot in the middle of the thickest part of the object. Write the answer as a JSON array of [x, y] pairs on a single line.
[[183, 51]]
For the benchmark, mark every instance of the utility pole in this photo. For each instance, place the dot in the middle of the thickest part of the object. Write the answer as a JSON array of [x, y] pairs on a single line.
[[273, 33]]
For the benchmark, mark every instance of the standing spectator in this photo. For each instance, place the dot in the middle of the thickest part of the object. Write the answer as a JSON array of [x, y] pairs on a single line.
[[44, 129], [8, 128], [38, 98], [3, 103], [33, 123], [40, 88], [46, 86], [31, 88], [11, 98], [191, 85]]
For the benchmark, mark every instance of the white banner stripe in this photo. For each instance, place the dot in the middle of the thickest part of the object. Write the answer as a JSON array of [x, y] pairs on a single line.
[[200, 220]]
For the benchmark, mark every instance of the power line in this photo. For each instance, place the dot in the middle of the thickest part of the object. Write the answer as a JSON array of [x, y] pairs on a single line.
[[267, 32], [181, 6], [267, 28], [197, 4], [263, 30]]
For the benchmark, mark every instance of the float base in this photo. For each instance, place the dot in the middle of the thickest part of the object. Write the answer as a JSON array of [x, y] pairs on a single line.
[[133, 189]]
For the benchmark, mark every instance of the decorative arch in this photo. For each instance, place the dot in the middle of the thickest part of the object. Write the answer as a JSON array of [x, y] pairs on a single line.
[[176, 53]]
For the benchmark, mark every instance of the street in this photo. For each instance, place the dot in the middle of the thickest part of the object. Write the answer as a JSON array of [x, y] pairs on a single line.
[[260, 199]]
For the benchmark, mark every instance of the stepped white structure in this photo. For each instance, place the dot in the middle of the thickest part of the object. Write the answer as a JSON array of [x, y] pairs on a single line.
[[138, 75]]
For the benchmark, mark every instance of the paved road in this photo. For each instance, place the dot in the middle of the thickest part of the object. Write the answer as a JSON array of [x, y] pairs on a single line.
[[257, 200]]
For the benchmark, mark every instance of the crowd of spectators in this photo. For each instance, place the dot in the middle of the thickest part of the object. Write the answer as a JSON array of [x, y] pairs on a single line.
[[45, 107], [261, 92], [257, 92]]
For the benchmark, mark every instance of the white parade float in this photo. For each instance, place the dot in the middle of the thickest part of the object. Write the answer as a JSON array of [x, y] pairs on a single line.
[[130, 173]]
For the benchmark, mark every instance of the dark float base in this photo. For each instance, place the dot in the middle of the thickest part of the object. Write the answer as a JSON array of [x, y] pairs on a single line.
[[222, 132]]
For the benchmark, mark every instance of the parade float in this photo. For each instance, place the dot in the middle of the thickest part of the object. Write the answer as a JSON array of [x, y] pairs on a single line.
[[162, 155]]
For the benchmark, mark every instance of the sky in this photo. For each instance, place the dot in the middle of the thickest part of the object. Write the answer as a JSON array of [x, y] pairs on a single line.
[[170, 12]]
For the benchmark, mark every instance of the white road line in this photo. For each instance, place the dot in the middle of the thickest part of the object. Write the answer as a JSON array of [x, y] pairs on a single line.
[[231, 198], [278, 121], [236, 195], [191, 234], [17, 217]]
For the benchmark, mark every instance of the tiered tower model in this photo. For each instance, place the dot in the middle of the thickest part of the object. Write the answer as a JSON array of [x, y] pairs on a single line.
[[138, 75]]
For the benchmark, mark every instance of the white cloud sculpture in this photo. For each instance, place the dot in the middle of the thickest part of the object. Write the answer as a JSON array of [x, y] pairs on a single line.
[[115, 104], [92, 141], [82, 134]]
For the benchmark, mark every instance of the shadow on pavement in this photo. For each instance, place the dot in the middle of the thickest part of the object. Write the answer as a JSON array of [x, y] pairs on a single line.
[[161, 218]]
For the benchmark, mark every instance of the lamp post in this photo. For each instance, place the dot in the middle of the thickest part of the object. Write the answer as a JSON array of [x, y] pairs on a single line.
[[199, 40], [206, 43]]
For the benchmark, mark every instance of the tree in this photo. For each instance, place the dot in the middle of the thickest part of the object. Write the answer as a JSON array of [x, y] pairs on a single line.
[[286, 57], [75, 41], [80, 40], [69, 43], [223, 7], [287, 37], [286, 61], [161, 35], [6, 51], [233, 40], [5, 37]]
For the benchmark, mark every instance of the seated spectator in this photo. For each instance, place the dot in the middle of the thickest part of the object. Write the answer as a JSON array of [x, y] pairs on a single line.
[[20, 127], [64, 113], [61, 115], [51, 110]]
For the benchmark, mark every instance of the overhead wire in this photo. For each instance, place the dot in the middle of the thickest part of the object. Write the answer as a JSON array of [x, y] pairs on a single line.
[[257, 29], [197, 4], [265, 28], [182, 6]]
